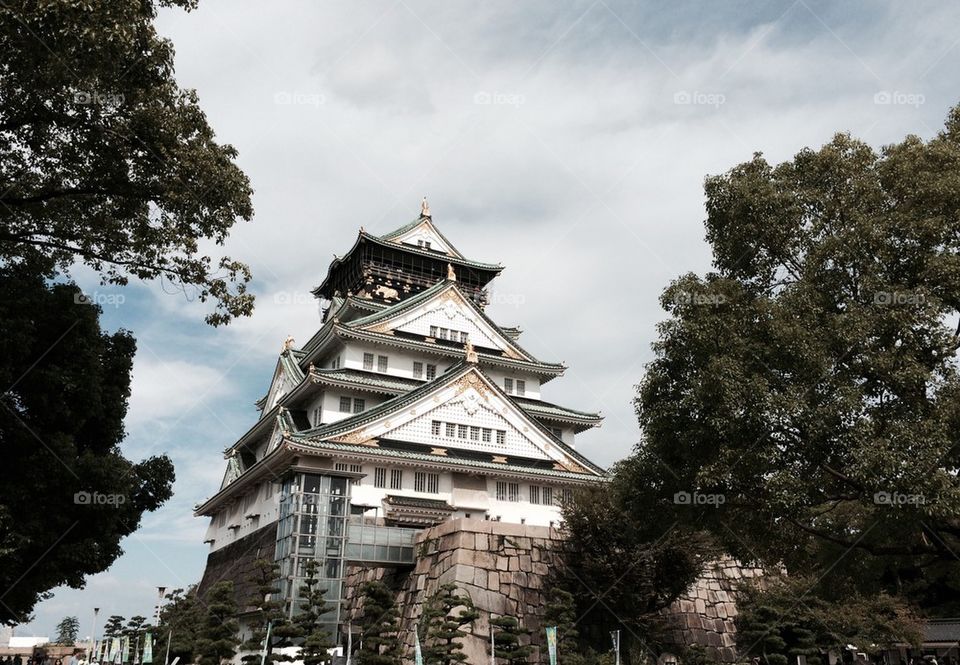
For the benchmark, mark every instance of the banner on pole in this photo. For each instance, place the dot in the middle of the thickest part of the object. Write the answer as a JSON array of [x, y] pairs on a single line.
[[349, 643], [552, 644], [147, 649], [126, 649], [493, 648], [615, 637], [115, 650], [417, 654]]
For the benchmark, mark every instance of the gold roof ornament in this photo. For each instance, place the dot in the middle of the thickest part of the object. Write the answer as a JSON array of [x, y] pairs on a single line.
[[287, 343], [451, 273], [424, 208], [472, 356]]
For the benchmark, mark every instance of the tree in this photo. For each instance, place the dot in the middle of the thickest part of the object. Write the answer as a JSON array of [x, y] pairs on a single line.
[[310, 622], [625, 559], [560, 610], [217, 639], [134, 631], [507, 635], [180, 619], [67, 631], [445, 615], [61, 423], [378, 623], [777, 622], [114, 626], [804, 397], [105, 160], [271, 617]]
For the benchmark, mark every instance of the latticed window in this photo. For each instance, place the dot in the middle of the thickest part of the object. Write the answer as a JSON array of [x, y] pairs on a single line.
[[534, 494], [419, 481], [501, 490], [521, 387], [344, 405], [513, 492], [435, 428], [368, 361], [417, 370], [487, 434], [461, 431], [396, 479], [359, 405], [382, 363], [431, 372], [433, 483], [501, 437], [547, 496], [451, 430], [474, 433], [433, 331], [508, 385], [379, 477]]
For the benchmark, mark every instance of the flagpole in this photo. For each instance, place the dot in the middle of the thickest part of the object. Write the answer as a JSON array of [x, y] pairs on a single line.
[[166, 657], [266, 644], [493, 647]]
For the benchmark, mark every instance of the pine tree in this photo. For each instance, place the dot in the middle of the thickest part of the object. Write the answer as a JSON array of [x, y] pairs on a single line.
[[443, 628], [316, 640], [560, 610], [266, 598], [378, 623], [217, 639], [507, 634], [180, 619], [67, 631], [134, 631], [114, 626]]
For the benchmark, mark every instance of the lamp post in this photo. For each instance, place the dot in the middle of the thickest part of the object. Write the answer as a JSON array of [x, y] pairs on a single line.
[[160, 591], [93, 634]]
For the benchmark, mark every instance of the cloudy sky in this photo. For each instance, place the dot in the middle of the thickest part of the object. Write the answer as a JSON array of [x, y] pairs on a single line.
[[566, 139]]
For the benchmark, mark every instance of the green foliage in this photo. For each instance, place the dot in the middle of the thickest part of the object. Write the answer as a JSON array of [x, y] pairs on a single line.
[[217, 637], [445, 616], [778, 620], [378, 622], [61, 418], [67, 631], [181, 617], [114, 626], [508, 635], [560, 610], [316, 639], [105, 160], [609, 526], [266, 599]]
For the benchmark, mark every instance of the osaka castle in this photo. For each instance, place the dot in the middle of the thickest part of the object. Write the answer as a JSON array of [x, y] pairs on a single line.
[[408, 407]]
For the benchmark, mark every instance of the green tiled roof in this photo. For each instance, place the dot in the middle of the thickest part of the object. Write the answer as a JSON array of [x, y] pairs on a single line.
[[419, 220], [392, 384]]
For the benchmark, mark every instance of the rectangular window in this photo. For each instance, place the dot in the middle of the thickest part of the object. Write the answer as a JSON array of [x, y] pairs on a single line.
[[461, 431], [359, 405], [431, 372], [356, 468], [435, 428], [344, 405], [487, 433], [474, 433], [444, 333], [521, 387], [557, 432], [417, 370], [534, 494], [433, 331], [380, 477], [382, 363], [508, 385], [501, 437], [568, 496], [451, 430], [501, 491], [464, 337], [419, 481], [548, 496], [433, 483], [316, 416], [368, 361], [513, 492], [396, 479], [340, 466]]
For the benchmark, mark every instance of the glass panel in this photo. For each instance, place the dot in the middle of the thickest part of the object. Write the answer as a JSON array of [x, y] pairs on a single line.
[[311, 483]]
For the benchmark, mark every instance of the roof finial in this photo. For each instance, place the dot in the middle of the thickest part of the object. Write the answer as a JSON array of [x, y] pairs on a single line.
[[287, 344], [451, 273], [472, 356], [424, 208]]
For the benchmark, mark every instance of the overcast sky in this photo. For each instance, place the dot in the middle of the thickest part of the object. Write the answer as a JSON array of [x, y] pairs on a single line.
[[567, 140]]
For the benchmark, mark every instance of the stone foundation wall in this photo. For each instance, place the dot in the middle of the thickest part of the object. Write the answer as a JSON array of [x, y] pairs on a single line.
[[502, 566]]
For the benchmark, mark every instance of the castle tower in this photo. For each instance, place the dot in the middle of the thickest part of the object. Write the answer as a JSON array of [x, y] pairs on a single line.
[[407, 408]]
